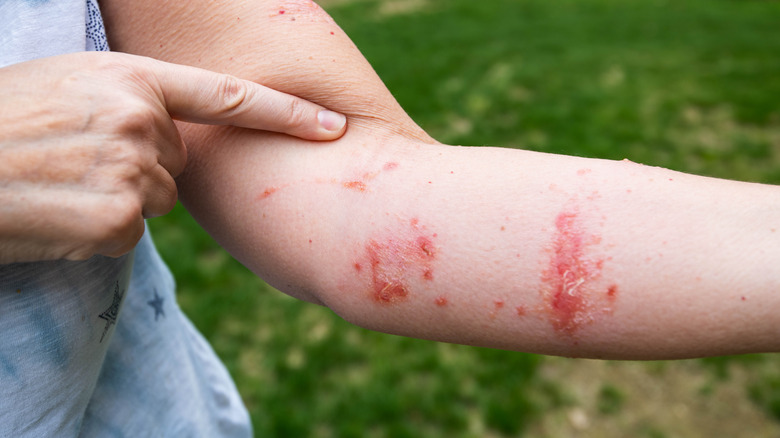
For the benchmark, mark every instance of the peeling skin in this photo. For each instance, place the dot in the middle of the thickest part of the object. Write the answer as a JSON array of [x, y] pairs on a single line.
[[570, 295], [396, 261]]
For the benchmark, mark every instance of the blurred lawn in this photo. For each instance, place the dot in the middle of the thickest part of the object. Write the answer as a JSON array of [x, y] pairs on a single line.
[[689, 85]]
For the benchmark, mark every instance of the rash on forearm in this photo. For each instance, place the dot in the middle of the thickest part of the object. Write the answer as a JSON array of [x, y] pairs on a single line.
[[393, 260], [572, 298]]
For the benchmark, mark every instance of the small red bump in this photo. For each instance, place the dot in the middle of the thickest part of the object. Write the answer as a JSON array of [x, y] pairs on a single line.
[[358, 267], [520, 310], [389, 165], [499, 303], [428, 274], [281, 12], [426, 246], [440, 301], [268, 192]]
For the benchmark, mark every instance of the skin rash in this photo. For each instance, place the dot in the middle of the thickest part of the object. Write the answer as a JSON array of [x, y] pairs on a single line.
[[302, 11], [392, 262], [570, 294]]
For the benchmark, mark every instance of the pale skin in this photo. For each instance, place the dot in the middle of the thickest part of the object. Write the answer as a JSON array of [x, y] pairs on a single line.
[[482, 246], [89, 148]]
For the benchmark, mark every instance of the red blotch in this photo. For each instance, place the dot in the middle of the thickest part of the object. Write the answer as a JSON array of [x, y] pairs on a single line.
[[612, 292], [396, 260], [744, 298], [388, 293], [281, 12], [426, 246], [567, 278], [441, 301], [268, 192], [355, 185], [520, 310]]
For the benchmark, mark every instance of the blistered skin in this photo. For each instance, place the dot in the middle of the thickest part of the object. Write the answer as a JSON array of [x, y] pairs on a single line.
[[396, 262], [570, 292]]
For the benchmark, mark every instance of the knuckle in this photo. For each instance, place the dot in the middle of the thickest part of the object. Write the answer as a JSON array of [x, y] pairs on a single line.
[[231, 92], [118, 222], [167, 198], [134, 115], [296, 113], [129, 164]]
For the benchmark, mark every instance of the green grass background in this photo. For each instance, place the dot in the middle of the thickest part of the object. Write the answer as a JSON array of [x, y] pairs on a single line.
[[689, 85]]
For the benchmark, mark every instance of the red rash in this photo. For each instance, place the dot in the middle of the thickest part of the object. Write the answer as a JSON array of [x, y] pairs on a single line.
[[568, 287], [396, 260], [612, 292], [390, 165], [305, 9], [268, 192], [356, 185]]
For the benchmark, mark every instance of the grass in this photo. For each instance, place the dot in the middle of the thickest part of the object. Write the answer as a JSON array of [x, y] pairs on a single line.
[[691, 85]]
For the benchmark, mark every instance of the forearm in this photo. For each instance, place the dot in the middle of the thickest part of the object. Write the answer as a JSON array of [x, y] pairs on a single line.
[[506, 248], [482, 246]]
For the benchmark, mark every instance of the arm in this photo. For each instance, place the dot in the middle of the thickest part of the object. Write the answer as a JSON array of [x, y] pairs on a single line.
[[482, 246]]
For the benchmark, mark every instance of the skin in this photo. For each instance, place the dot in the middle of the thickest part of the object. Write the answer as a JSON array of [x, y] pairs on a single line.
[[483, 246], [89, 147]]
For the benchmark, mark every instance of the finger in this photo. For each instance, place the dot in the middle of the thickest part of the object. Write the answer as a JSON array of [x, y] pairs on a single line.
[[159, 193], [201, 96], [170, 149]]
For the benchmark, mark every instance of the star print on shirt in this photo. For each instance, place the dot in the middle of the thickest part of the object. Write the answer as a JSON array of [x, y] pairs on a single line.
[[157, 305], [112, 312]]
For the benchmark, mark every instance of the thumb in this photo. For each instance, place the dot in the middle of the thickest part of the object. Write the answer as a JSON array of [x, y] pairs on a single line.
[[196, 95]]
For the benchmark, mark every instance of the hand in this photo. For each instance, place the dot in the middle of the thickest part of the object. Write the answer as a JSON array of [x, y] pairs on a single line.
[[88, 146]]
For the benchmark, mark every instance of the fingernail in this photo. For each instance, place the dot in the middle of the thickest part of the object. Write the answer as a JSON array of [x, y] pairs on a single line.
[[331, 121]]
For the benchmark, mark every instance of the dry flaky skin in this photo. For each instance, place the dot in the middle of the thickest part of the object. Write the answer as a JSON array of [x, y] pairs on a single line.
[[519, 250]]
